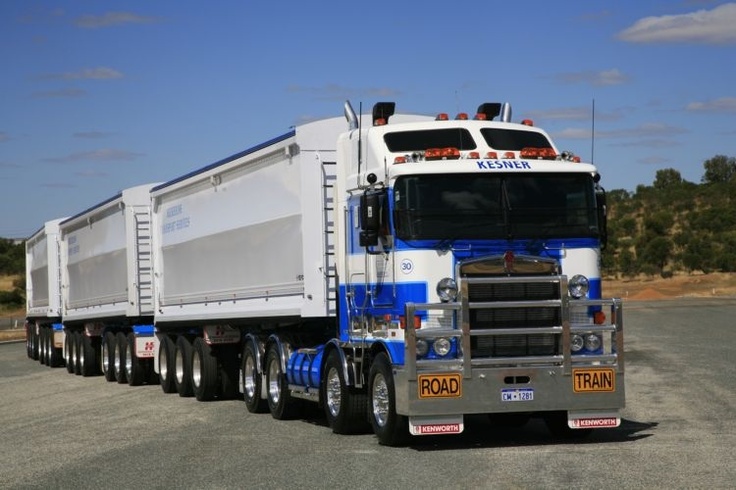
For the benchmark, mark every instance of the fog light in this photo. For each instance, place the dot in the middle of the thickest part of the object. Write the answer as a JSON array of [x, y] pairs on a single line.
[[576, 342], [441, 346], [592, 342]]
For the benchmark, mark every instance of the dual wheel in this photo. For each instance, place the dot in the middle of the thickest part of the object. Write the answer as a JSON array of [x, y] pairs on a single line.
[[81, 353], [194, 368], [119, 362]]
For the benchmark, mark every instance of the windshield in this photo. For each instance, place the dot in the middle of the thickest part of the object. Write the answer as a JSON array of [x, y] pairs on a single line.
[[498, 206]]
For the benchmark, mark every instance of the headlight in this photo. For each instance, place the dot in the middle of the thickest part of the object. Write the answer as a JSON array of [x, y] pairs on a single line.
[[422, 347], [576, 342], [578, 286], [447, 290], [441, 346], [592, 342]]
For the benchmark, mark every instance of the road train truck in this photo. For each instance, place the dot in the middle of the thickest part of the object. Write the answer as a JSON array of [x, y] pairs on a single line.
[[401, 272]]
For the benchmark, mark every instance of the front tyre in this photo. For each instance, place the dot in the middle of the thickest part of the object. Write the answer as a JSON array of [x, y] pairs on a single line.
[[345, 410], [391, 428]]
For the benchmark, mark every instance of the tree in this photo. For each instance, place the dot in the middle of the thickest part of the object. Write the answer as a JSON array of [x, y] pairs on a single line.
[[667, 178], [719, 169]]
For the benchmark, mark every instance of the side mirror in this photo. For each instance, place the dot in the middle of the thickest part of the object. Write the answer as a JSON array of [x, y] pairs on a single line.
[[600, 198]]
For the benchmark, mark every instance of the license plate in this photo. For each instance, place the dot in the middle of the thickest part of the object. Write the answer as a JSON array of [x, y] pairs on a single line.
[[593, 380], [517, 395], [440, 385]]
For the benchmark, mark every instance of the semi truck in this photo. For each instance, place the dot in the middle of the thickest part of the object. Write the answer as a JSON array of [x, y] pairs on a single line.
[[401, 271]]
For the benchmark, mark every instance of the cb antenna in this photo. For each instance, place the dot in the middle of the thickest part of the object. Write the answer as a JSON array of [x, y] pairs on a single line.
[[592, 134]]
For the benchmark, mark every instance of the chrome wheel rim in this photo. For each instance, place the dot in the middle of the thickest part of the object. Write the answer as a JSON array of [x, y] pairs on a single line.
[[273, 381], [249, 373], [196, 370], [333, 392], [379, 400]]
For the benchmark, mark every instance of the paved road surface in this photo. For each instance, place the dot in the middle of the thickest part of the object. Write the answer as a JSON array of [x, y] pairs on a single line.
[[679, 429]]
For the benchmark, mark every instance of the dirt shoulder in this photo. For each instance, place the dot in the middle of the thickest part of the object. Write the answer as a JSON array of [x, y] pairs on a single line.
[[680, 286]]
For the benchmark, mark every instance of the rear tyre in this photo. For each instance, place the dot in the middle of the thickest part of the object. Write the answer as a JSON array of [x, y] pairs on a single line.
[[345, 410], [76, 348], [391, 428], [252, 381], [280, 402], [34, 342], [166, 365], [107, 356], [69, 351], [204, 371], [42, 345], [89, 355], [56, 355], [183, 367], [135, 368], [121, 357]]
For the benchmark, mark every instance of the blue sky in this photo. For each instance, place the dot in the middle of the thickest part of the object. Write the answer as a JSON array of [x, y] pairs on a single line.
[[98, 96]]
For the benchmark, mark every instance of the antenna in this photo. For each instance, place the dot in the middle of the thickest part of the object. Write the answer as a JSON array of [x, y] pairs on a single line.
[[592, 134], [360, 138]]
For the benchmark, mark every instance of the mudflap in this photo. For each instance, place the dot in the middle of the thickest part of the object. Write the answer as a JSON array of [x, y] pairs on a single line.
[[436, 425]]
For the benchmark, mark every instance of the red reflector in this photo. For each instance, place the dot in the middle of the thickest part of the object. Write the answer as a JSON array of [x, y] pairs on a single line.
[[442, 116]]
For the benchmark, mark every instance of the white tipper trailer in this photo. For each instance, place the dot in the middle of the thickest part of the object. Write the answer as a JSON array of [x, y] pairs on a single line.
[[43, 295], [400, 271], [106, 288]]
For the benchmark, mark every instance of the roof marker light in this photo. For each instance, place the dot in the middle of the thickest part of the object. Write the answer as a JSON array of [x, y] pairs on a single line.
[[448, 153], [480, 117], [509, 154], [474, 155], [400, 160], [462, 117], [442, 116], [527, 122], [379, 122], [492, 155]]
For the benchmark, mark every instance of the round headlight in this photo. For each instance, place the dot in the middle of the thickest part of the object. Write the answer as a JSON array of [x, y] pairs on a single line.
[[592, 342], [422, 347], [576, 342], [578, 286], [447, 290], [441, 346]]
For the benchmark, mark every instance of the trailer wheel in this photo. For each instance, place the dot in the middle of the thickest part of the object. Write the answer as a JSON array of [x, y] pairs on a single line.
[[556, 423], [34, 342], [135, 370], [346, 411], [108, 356], [204, 371], [121, 357], [89, 356], [42, 345], [76, 347], [391, 428], [69, 352], [56, 355], [183, 367], [252, 381], [166, 365], [280, 402]]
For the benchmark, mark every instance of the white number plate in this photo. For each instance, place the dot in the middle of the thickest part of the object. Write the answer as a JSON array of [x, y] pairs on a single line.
[[517, 395]]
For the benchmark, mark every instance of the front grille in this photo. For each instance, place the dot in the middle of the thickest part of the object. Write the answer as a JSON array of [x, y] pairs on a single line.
[[505, 317]]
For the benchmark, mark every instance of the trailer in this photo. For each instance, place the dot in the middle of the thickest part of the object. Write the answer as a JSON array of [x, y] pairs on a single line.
[[107, 296], [44, 337], [399, 271]]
